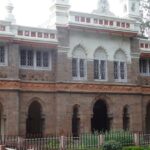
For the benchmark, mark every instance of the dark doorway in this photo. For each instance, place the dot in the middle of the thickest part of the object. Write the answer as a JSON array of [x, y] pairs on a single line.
[[100, 122], [126, 118], [34, 124], [2, 127], [75, 121], [147, 119]]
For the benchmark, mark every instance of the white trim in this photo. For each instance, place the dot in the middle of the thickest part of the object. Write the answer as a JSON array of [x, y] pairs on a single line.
[[119, 72], [99, 73], [78, 70], [147, 73]]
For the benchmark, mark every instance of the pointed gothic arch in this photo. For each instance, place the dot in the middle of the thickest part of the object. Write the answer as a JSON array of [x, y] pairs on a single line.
[[100, 64], [100, 121], [75, 121], [120, 55], [79, 63], [2, 120], [126, 117], [147, 118], [79, 47], [34, 123], [120, 66]]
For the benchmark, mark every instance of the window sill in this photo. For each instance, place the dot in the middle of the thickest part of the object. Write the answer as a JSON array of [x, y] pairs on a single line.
[[35, 69], [145, 74], [79, 79], [121, 80], [101, 80]]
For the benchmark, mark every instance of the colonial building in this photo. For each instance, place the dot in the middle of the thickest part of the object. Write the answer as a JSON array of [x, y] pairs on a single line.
[[82, 72]]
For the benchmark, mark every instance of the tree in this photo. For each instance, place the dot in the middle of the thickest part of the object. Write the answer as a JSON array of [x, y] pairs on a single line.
[[145, 15]]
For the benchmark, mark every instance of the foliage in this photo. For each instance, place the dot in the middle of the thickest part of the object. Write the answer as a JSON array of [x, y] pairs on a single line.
[[145, 15], [124, 137], [145, 8], [133, 148], [85, 141], [53, 144], [112, 145]]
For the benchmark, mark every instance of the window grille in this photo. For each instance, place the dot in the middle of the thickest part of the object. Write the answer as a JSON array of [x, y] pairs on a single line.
[[74, 67], [100, 69], [96, 70], [78, 68], [145, 66], [119, 70], [122, 70], [33, 58], [81, 67], [2, 54]]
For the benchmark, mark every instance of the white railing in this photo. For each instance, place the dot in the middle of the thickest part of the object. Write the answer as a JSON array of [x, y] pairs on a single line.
[[27, 32], [102, 21]]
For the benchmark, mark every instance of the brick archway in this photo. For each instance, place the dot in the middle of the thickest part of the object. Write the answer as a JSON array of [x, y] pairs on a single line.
[[34, 122], [99, 121], [147, 118]]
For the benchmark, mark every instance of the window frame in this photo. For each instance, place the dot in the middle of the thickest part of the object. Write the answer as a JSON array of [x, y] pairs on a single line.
[[119, 79], [5, 63], [78, 67], [34, 66], [99, 70], [147, 73]]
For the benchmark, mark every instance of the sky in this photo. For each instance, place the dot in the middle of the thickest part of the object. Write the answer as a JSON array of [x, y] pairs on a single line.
[[36, 12]]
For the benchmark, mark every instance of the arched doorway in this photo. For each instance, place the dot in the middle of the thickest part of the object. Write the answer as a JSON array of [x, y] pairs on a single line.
[[99, 121], [126, 118], [2, 121], [34, 124], [75, 121], [147, 119]]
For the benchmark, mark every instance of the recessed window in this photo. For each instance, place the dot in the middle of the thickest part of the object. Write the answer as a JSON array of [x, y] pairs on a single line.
[[119, 70], [3, 57], [100, 22], [26, 58], [35, 59], [2, 28], [145, 66], [118, 24], [82, 19], [77, 18], [42, 59], [79, 64], [95, 21], [120, 67], [111, 23], [100, 65], [88, 20]]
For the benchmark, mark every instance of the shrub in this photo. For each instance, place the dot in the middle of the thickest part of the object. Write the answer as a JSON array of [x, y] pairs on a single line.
[[85, 141], [112, 145], [133, 148], [124, 137], [53, 144]]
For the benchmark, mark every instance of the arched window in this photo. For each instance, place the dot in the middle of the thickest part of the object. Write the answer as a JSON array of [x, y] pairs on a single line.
[[120, 66], [100, 65], [79, 64], [126, 118], [75, 121]]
